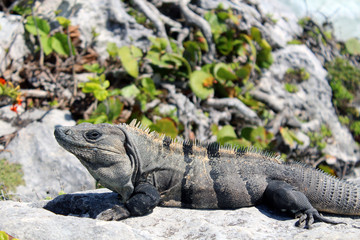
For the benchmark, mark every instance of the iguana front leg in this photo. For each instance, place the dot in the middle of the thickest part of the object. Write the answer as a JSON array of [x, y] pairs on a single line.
[[144, 199], [285, 197]]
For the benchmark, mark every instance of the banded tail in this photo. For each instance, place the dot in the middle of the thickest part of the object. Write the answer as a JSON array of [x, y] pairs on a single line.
[[330, 194]]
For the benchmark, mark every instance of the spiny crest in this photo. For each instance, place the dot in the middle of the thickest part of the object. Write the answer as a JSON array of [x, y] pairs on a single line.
[[259, 152], [137, 125], [214, 146]]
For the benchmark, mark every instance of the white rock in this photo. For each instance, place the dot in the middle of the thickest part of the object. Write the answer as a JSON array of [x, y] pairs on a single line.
[[48, 169], [30, 221]]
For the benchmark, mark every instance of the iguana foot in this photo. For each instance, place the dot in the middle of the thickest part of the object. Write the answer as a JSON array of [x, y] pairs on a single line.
[[306, 218], [115, 213]]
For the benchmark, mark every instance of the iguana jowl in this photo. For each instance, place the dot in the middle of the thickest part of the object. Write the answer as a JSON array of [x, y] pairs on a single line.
[[149, 170]]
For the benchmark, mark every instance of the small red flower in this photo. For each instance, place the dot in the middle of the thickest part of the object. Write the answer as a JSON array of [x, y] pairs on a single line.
[[2, 81], [14, 108]]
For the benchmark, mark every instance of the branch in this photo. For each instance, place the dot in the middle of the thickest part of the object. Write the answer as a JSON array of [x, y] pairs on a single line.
[[153, 14], [188, 113], [221, 103], [41, 60], [272, 101], [201, 23]]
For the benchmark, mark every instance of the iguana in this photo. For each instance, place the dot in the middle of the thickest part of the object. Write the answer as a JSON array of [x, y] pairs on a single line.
[[147, 169]]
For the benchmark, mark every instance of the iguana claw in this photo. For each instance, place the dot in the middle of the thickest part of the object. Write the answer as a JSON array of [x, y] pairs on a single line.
[[114, 214], [306, 219]]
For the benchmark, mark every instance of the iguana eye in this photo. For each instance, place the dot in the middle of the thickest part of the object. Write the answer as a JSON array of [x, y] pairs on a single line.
[[92, 135]]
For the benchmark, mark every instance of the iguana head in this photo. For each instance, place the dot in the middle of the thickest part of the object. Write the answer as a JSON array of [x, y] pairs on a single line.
[[101, 148]]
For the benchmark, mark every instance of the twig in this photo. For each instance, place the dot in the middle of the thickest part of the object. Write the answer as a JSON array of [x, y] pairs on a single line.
[[201, 23], [272, 101], [72, 59], [189, 114], [41, 60], [153, 14], [35, 93], [221, 103]]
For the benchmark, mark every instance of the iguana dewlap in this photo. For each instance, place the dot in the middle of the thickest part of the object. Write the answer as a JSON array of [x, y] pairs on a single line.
[[149, 170]]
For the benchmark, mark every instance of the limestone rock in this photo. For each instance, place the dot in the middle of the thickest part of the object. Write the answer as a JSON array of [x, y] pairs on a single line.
[[313, 97], [31, 221], [48, 169]]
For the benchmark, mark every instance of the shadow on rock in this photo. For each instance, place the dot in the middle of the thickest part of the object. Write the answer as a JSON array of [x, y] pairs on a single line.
[[83, 204]]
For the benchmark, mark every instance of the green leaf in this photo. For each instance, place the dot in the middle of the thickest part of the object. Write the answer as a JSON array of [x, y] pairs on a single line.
[[4, 235], [201, 41], [353, 46], [128, 61], [112, 108], [294, 42], [198, 81], [223, 73], [217, 26], [166, 126], [42, 25], [159, 44], [46, 44], [291, 88], [130, 91], [112, 49], [327, 169], [59, 42], [136, 52], [63, 21], [287, 136], [100, 94], [106, 84], [239, 143], [226, 134], [244, 72], [182, 60], [90, 87], [145, 121], [149, 87], [102, 118], [95, 68], [256, 34], [224, 45]]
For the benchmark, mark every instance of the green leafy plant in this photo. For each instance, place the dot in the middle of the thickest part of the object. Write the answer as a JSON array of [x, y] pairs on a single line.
[[107, 111], [297, 75], [355, 128], [344, 82], [352, 46], [5, 236], [257, 137], [7, 90], [318, 139], [291, 88], [166, 126], [294, 42], [148, 92], [289, 137], [57, 42], [110, 107], [97, 86]]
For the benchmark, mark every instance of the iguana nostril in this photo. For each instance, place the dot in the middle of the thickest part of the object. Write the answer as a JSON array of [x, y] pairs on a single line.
[[68, 132]]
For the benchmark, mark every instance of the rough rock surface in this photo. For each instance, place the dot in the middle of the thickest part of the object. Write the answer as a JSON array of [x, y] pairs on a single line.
[[48, 169], [12, 38], [30, 221], [107, 18], [313, 99]]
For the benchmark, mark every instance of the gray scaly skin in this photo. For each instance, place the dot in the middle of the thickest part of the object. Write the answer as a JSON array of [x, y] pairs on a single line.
[[149, 170]]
